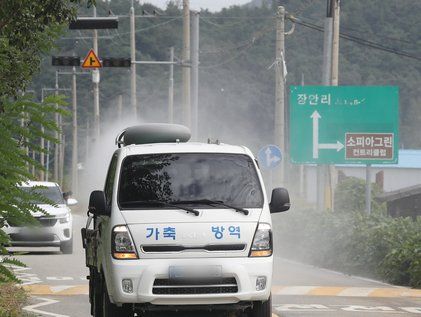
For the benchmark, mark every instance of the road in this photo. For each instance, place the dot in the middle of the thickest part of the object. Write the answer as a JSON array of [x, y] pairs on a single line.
[[59, 288]]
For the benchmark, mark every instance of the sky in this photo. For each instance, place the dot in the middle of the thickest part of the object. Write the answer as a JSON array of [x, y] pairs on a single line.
[[212, 5]]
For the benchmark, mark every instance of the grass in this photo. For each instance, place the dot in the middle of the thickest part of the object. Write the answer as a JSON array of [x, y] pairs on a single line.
[[12, 300]]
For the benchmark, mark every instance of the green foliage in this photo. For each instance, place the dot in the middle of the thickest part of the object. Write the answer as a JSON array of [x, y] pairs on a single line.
[[350, 196], [27, 29], [16, 138], [377, 246]]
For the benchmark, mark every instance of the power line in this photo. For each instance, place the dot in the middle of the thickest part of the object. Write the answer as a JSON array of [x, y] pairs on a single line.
[[357, 40], [359, 31], [245, 47]]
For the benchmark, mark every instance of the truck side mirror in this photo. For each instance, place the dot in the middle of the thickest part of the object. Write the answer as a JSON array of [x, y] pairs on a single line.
[[97, 204], [280, 200]]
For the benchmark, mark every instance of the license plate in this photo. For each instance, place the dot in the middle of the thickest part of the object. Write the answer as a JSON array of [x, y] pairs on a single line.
[[195, 272]]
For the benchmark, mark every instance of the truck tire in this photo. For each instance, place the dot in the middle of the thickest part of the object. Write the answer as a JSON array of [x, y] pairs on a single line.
[[262, 309], [66, 247], [111, 310]]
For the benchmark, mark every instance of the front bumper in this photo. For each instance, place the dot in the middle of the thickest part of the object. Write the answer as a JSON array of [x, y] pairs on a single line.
[[144, 272], [44, 236]]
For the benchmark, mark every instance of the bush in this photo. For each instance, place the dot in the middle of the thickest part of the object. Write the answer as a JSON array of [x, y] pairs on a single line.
[[12, 300], [376, 246]]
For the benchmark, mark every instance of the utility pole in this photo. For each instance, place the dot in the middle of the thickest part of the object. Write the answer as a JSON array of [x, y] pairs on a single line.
[[335, 43], [57, 136], [87, 143], [47, 168], [195, 72], [62, 153], [186, 60], [120, 107], [334, 78], [280, 90], [75, 180], [322, 171], [171, 88], [133, 92], [42, 156], [95, 81]]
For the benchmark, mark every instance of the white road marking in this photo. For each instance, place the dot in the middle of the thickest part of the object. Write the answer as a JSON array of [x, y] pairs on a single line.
[[356, 291], [26, 278], [369, 309], [60, 288], [62, 278], [345, 308], [413, 310], [46, 302], [294, 290]]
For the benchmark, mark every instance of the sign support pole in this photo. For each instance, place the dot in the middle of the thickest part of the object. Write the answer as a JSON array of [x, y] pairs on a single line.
[[95, 80], [280, 90], [368, 189]]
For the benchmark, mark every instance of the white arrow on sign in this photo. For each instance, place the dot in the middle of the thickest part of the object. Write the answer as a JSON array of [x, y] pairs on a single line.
[[271, 158], [321, 146]]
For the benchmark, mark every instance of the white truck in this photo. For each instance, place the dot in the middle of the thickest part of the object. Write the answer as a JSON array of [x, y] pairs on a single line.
[[180, 226]]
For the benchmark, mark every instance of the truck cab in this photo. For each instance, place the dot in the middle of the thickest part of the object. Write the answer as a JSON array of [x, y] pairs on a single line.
[[181, 226]]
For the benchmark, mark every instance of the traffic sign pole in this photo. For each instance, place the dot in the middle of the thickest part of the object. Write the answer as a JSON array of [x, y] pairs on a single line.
[[368, 188]]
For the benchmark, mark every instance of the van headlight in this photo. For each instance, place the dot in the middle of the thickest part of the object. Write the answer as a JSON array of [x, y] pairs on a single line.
[[122, 244], [262, 242], [65, 218]]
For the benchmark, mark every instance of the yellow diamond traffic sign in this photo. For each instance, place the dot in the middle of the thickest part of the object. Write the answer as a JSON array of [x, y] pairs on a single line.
[[91, 61]]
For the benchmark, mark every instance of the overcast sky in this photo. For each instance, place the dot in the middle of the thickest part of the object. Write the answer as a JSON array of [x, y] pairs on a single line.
[[213, 5]]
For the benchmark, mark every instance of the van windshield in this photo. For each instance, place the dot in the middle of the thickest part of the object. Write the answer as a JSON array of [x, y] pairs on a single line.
[[230, 178], [51, 193]]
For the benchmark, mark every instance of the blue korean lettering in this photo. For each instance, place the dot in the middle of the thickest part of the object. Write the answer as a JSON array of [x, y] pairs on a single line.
[[169, 233], [234, 231], [151, 232], [219, 231]]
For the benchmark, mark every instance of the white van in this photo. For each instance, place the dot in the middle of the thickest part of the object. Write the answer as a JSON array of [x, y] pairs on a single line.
[[180, 226], [55, 224]]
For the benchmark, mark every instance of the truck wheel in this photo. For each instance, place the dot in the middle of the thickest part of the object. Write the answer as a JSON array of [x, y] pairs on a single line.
[[262, 309], [111, 310], [66, 247]]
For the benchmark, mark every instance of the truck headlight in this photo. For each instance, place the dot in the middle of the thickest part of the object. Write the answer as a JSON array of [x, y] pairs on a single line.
[[262, 242], [122, 244]]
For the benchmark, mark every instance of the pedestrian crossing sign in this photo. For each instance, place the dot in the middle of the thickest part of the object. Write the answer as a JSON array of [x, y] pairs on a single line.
[[91, 61]]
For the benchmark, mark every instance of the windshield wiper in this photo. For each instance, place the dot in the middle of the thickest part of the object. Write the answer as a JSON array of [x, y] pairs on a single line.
[[211, 202], [162, 203]]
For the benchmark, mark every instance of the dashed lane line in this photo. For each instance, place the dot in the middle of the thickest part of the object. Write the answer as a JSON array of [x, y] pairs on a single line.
[[68, 290]]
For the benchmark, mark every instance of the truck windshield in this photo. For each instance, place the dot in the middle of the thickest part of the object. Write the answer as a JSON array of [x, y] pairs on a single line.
[[229, 178], [51, 193]]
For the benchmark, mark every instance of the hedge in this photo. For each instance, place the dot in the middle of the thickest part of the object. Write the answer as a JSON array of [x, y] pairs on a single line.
[[376, 245]]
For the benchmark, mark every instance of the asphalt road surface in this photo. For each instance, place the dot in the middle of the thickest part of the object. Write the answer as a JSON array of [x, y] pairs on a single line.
[[59, 288]]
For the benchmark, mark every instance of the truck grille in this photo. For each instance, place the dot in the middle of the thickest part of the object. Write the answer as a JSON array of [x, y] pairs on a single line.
[[187, 287]]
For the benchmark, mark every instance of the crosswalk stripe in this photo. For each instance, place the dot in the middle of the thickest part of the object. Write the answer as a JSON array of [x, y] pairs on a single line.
[[68, 290]]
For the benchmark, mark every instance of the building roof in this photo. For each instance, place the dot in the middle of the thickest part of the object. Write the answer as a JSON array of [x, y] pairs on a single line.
[[407, 159], [399, 194]]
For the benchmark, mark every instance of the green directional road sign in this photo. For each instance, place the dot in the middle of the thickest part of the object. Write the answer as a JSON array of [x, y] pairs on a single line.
[[344, 124]]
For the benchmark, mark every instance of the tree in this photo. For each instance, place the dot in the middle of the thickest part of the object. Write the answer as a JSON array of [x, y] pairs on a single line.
[[28, 29]]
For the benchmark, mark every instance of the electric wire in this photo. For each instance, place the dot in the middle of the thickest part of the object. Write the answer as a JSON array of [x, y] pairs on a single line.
[[357, 40]]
